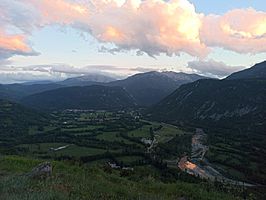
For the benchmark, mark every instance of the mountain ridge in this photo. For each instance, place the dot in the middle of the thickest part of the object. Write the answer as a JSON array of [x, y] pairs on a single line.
[[86, 80], [146, 88], [94, 97], [151, 87], [256, 71]]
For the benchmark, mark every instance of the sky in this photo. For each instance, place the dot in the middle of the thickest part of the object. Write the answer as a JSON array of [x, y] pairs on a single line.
[[57, 39]]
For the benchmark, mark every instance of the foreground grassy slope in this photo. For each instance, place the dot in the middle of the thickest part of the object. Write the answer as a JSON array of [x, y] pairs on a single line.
[[70, 181]]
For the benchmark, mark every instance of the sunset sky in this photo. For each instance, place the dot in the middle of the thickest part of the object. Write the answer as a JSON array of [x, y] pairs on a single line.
[[56, 39]]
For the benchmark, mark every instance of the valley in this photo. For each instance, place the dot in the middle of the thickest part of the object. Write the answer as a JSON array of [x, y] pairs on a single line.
[[208, 133], [120, 144], [86, 135], [132, 100]]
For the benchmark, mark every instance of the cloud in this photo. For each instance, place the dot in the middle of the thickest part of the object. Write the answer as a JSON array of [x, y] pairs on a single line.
[[151, 26], [14, 45], [158, 26], [59, 11], [239, 30], [71, 70], [57, 72], [18, 19], [14, 74], [213, 68], [144, 69], [20, 77]]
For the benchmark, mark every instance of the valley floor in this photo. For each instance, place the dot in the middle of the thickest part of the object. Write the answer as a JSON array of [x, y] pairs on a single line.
[[106, 155]]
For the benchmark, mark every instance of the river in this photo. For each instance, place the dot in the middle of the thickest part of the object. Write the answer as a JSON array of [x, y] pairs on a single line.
[[198, 165]]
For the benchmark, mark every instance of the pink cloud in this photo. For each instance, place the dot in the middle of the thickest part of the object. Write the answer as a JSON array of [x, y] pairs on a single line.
[[59, 11], [150, 26], [13, 43], [240, 30]]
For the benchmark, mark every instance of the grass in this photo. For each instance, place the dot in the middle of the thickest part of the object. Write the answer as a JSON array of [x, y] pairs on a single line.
[[163, 135], [33, 130], [167, 132], [229, 160], [113, 136], [74, 182], [77, 151], [143, 132], [49, 128], [89, 116], [129, 159], [83, 129], [71, 150]]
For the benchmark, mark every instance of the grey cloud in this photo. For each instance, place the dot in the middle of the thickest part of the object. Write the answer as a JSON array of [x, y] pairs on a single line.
[[144, 69], [10, 74], [213, 68]]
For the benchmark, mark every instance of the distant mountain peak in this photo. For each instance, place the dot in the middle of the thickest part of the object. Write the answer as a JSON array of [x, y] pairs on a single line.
[[150, 87], [181, 76], [87, 79], [95, 77]]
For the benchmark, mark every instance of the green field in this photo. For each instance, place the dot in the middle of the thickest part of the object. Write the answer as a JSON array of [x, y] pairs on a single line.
[[167, 132], [71, 150], [127, 160], [82, 129], [143, 132], [113, 136]]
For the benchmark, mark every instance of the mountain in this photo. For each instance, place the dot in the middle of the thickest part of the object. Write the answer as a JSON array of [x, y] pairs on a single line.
[[15, 92], [151, 87], [223, 102], [232, 112], [183, 78], [16, 119], [37, 82], [146, 88], [91, 79], [257, 71], [240, 96], [87, 97]]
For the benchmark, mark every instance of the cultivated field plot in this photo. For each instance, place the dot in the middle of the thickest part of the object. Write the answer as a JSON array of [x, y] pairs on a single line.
[[89, 136]]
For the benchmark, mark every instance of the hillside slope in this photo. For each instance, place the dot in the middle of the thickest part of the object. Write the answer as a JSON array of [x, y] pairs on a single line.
[[257, 71], [233, 113], [218, 102], [69, 182], [15, 92], [89, 97], [16, 119]]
